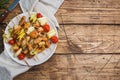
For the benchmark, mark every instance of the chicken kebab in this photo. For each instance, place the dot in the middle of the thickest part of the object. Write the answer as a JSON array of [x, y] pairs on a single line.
[[29, 38]]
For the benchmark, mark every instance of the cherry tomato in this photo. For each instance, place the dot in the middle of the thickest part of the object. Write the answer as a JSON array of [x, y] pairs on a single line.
[[54, 39], [21, 56], [46, 28], [39, 15], [12, 42]]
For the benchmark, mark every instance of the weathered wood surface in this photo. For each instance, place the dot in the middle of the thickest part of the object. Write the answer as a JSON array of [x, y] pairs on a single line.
[[89, 39], [90, 12], [76, 67], [89, 28]]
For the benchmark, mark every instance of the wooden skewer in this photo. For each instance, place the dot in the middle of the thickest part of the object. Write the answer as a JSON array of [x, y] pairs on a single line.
[[36, 57], [18, 17], [44, 52], [27, 63], [50, 48], [28, 12], [13, 22]]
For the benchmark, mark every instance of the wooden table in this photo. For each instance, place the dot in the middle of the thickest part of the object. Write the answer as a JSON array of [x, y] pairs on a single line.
[[89, 43]]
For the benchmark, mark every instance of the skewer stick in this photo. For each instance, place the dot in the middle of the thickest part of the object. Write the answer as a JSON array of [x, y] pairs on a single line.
[[13, 22], [18, 17], [36, 58], [44, 52], [26, 63], [28, 12], [50, 48]]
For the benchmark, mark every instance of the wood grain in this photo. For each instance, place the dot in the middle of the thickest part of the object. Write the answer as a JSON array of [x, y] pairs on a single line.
[[76, 67], [90, 12], [89, 39], [89, 43]]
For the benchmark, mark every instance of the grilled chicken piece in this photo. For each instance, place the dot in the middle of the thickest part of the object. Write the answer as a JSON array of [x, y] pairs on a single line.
[[37, 40], [25, 51], [45, 39], [30, 47], [27, 38], [18, 43], [40, 29], [24, 42], [33, 34], [16, 29], [36, 24], [47, 44], [26, 25], [29, 56], [22, 21]]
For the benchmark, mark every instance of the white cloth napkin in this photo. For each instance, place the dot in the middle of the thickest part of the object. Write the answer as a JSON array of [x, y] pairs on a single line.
[[9, 68]]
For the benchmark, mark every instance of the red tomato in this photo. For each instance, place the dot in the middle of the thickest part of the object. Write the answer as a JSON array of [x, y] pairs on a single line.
[[39, 15], [21, 56], [54, 39], [46, 28], [12, 42]]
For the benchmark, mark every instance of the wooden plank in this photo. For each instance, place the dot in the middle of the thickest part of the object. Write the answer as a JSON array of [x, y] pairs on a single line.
[[89, 39], [76, 67], [90, 12], [91, 4]]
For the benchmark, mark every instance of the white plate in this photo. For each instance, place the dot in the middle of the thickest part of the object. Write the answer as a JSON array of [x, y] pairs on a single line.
[[43, 56]]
